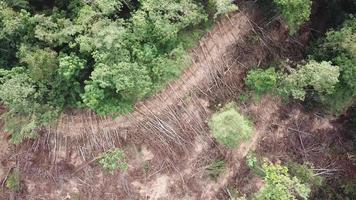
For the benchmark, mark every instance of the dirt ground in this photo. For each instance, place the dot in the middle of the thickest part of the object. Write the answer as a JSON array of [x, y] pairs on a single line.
[[166, 139]]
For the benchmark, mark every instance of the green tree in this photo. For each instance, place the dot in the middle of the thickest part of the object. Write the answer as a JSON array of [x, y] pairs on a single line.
[[223, 7], [42, 63], [338, 42], [14, 29], [322, 77], [109, 7], [305, 174], [53, 30], [17, 90], [87, 54], [280, 185], [17, 4], [26, 102], [294, 12], [339, 47], [69, 78], [114, 89]]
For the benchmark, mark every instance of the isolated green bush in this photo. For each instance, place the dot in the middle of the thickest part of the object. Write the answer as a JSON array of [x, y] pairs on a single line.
[[113, 160], [13, 181], [229, 127]]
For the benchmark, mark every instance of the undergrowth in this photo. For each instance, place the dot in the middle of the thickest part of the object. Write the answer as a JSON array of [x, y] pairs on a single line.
[[215, 169], [13, 181], [113, 160]]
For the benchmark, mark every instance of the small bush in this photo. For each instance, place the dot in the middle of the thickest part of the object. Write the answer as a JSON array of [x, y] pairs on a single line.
[[229, 127], [304, 174], [113, 160], [255, 164], [215, 169], [350, 189], [262, 81], [13, 182]]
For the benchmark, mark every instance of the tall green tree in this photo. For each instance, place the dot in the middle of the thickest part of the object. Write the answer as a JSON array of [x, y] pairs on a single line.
[[339, 46], [280, 185], [294, 12]]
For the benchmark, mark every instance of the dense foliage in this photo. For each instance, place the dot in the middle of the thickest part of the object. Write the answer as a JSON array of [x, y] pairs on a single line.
[[339, 46], [280, 185], [262, 81], [229, 127], [305, 174], [294, 12], [104, 55], [321, 77]]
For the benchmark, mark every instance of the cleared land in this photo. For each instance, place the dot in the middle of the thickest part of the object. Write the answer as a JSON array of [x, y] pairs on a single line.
[[166, 138]]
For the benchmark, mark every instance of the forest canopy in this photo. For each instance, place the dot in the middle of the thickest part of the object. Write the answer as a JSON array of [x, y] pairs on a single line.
[[104, 55]]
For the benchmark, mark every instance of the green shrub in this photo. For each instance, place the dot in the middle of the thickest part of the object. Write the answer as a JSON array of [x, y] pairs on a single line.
[[322, 77], [339, 47], [222, 7], [255, 164], [280, 185], [229, 127], [215, 169], [350, 189], [304, 174], [262, 81], [294, 12], [13, 181], [113, 160]]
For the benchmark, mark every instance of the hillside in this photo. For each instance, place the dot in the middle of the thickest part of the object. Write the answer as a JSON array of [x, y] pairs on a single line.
[[181, 99]]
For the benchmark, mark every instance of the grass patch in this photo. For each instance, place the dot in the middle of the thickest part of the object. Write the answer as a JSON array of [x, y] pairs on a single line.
[[13, 181]]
